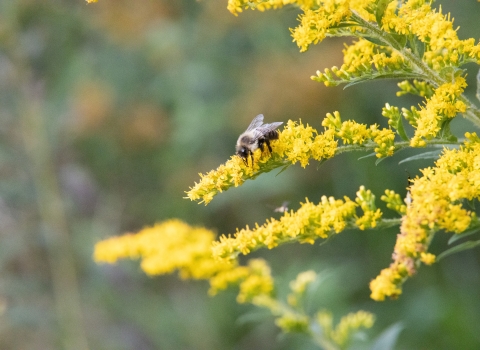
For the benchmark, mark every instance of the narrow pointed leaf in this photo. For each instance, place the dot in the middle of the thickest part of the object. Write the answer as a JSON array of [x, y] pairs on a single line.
[[459, 248], [283, 169], [464, 234], [401, 130], [388, 338], [368, 156], [421, 156], [381, 7]]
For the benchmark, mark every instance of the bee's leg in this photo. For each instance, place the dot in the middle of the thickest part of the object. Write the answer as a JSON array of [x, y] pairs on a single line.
[[245, 161], [260, 144], [268, 145], [251, 156]]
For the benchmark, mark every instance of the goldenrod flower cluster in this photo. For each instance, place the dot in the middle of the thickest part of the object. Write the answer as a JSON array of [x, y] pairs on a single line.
[[363, 58], [346, 328], [437, 204], [175, 246], [394, 202], [442, 106], [297, 143], [253, 280], [443, 48], [306, 225], [351, 132], [165, 248], [292, 317]]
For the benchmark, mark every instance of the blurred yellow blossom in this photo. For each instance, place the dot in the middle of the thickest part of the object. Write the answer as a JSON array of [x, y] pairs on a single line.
[[350, 324], [253, 280], [299, 286], [164, 248]]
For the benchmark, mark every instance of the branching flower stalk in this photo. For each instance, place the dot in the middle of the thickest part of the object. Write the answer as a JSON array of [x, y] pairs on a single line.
[[422, 70], [405, 40]]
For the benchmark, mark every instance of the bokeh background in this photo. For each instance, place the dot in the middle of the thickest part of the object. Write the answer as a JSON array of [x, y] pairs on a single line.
[[109, 111]]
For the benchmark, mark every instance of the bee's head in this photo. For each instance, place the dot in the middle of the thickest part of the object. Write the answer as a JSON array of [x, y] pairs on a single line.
[[243, 153]]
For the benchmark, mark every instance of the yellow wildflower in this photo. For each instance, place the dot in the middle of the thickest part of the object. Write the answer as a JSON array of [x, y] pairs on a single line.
[[349, 325], [443, 105], [253, 280], [164, 248], [314, 23], [307, 224], [436, 205], [299, 286], [346, 328], [292, 322], [296, 143]]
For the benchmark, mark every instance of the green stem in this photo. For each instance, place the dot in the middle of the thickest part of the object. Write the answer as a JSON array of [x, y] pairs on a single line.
[[472, 113], [398, 146]]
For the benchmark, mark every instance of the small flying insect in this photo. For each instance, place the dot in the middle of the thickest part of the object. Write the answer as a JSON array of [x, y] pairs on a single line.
[[282, 209], [256, 136]]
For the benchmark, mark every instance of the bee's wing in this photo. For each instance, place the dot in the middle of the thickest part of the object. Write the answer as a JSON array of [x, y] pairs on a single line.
[[256, 122], [265, 129]]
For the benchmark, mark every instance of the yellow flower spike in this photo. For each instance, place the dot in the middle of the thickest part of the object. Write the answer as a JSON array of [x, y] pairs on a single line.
[[303, 280], [394, 202], [258, 282], [307, 224], [164, 248], [349, 325], [291, 322], [427, 258], [296, 143], [436, 205], [254, 281]]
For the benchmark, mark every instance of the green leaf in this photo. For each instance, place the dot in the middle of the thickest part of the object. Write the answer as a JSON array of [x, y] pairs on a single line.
[[374, 40], [283, 169], [478, 85], [459, 248], [376, 76], [416, 45], [464, 234], [445, 132], [380, 160], [368, 156], [425, 155], [400, 39], [388, 338], [344, 25], [381, 7], [401, 130]]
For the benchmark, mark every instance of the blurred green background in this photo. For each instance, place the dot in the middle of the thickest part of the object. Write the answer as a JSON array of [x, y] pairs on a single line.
[[108, 113]]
